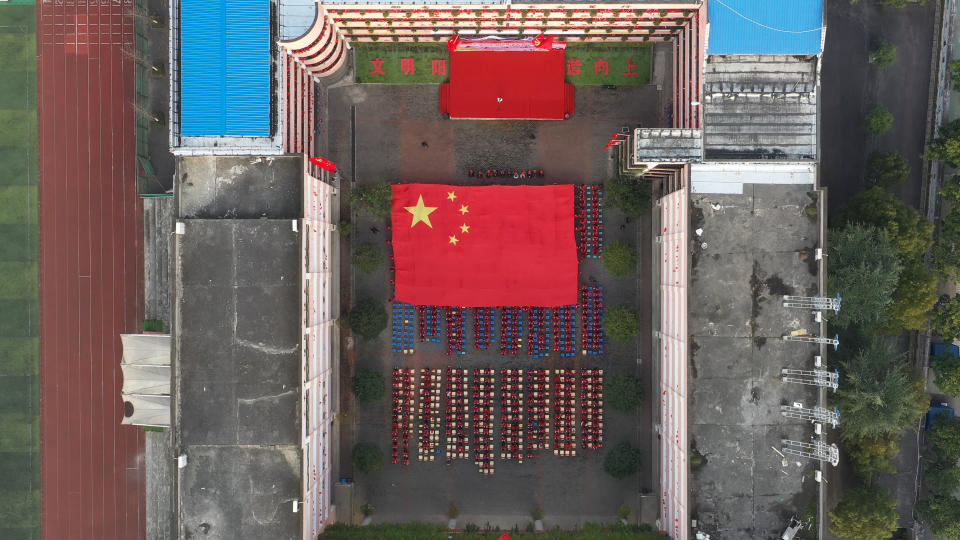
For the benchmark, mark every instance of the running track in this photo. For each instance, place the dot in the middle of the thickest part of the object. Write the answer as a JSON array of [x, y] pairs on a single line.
[[90, 270]]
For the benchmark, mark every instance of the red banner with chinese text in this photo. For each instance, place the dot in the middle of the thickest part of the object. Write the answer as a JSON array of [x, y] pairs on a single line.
[[483, 246]]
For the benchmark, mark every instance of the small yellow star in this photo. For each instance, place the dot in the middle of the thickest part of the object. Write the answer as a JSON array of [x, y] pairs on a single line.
[[465, 228], [420, 212], [453, 240], [464, 209], [451, 195]]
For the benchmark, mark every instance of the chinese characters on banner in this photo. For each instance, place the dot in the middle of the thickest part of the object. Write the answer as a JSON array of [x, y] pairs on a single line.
[[600, 67], [408, 66]]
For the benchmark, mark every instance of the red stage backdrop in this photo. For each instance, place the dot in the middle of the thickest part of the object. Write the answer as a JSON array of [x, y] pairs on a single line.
[[482, 246]]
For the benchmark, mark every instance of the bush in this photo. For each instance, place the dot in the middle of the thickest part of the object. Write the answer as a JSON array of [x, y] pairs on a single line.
[[374, 199], [947, 370], [622, 323], [368, 386], [879, 120], [954, 66], [345, 227], [883, 54], [624, 511], [622, 460], [865, 513], [537, 514], [630, 194], [620, 259], [367, 257], [367, 458], [886, 169], [947, 144], [624, 392], [368, 318], [452, 511]]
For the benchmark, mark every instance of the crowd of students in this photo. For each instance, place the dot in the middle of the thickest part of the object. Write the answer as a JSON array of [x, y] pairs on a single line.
[[456, 340], [401, 416], [402, 327], [484, 327], [457, 412], [483, 388], [565, 330], [428, 414], [511, 330], [591, 301], [588, 211], [511, 414], [538, 415], [565, 412], [429, 323], [505, 173], [540, 331], [591, 408]]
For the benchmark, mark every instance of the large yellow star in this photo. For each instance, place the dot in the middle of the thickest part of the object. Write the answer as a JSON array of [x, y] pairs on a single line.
[[420, 212]]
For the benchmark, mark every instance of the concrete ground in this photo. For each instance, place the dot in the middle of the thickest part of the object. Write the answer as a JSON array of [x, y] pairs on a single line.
[[386, 136], [755, 248]]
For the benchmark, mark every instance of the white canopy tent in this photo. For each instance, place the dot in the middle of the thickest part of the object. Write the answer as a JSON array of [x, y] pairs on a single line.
[[146, 379]]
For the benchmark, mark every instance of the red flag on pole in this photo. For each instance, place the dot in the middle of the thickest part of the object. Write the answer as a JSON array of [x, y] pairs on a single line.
[[480, 246], [324, 164], [452, 42]]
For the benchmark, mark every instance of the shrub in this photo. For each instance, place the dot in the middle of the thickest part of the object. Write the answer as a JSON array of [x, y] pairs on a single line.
[[879, 120], [954, 66], [374, 199], [368, 318], [883, 54], [622, 323], [624, 392], [537, 514], [886, 169], [622, 460], [624, 511], [367, 458], [630, 194], [368, 257], [620, 259], [452, 511], [368, 386]]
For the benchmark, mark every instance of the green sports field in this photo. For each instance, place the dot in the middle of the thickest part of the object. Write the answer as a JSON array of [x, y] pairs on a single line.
[[19, 328]]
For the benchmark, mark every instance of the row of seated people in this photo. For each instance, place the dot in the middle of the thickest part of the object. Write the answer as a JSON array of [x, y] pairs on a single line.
[[538, 410], [457, 412], [591, 408], [565, 412], [511, 414], [482, 407], [484, 327], [428, 414], [540, 324], [402, 327], [511, 330], [565, 330], [401, 415], [505, 173], [456, 330], [589, 221], [429, 323], [591, 303]]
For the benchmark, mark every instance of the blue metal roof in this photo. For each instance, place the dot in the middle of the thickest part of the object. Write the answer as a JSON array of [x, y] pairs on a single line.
[[225, 67], [765, 26]]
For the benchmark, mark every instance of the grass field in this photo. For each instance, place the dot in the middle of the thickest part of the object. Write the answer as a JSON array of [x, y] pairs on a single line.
[[587, 63], [19, 328]]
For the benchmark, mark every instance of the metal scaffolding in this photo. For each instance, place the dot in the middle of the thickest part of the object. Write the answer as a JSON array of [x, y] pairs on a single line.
[[835, 341], [818, 450], [821, 303], [816, 414], [816, 377]]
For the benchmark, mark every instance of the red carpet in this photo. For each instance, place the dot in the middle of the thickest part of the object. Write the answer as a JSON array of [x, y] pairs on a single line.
[[493, 79], [484, 246]]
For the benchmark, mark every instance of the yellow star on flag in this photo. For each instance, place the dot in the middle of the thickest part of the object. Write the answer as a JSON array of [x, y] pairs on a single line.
[[464, 209], [420, 212], [453, 240], [464, 228], [451, 195]]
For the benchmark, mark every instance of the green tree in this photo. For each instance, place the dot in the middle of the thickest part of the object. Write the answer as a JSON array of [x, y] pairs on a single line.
[[879, 120], [374, 199], [367, 318], [367, 457], [915, 296], [864, 269], [886, 169], [942, 515], [879, 395], [947, 144], [622, 460], [368, 386], [954, 66], [620, 259], [944, 436], [946, 253], [946, 317], [908, 230], [621, 323], [947, 370], [872, 455], [367, 257], [865, 513], [624, 392], [883, 54], [630, 194], [941, 475]]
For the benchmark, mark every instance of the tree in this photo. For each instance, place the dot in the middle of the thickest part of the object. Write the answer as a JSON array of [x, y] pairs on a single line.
[[879, 394], [367, 257], [620, 259], [873, 455], [942, 515], [946, 317], [944, 436], [864, 269], [915, 296], [947, 144], [368, 386], [879, 120], [886, 169], [367, 457], [865, 513], [954, 66], [883, 54], [622, 323], [368, 318], [373, 199], [908, 230], [947, 370], [622, 460], [946, 253], [624, 392], [941, 475], [630, 194]]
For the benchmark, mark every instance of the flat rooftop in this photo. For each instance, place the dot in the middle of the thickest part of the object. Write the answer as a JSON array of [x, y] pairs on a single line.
[[755, 247]]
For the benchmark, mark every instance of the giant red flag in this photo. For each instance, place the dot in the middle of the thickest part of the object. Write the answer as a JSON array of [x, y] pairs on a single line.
[[480, 246]]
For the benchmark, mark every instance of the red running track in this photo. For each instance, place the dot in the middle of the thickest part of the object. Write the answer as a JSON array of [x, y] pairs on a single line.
[[90, 270]]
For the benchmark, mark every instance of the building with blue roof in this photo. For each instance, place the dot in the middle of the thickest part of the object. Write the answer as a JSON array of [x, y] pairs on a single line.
[[765, 27]]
